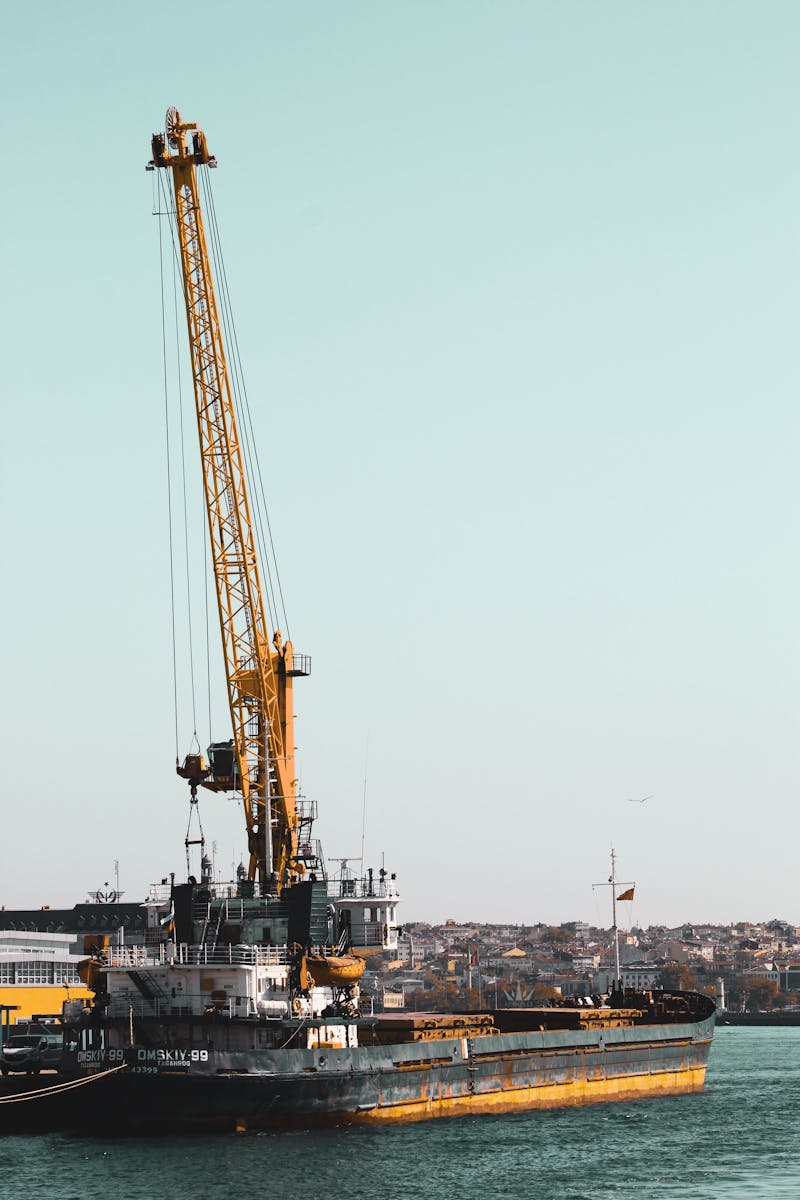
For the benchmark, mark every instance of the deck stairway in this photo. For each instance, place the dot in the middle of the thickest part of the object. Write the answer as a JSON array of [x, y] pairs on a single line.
[[211, 927], [149, 988]]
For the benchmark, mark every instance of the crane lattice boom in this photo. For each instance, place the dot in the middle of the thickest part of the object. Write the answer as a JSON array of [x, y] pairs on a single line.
[[259, 674]]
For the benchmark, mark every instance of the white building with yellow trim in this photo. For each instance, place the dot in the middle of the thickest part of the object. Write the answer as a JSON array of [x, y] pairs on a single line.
[[38, 972]]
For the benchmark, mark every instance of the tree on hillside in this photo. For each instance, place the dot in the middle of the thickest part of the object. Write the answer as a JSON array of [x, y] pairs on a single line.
[[763, 994], [752, 993], [678, 977], [544, 991]]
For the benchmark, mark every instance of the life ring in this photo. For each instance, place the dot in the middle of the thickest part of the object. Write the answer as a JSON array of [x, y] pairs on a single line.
[[297, 1006]]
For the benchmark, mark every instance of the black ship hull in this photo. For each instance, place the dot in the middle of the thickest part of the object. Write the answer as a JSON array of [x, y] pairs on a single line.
[[161, 1090]]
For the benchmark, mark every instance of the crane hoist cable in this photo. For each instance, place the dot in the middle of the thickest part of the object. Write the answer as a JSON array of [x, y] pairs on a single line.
[[162, 210], [166, 210], [186, 539], [169, 485]]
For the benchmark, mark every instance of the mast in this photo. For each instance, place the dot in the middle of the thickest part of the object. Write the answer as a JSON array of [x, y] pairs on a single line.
[[614, 883], [258, 669], [615, 928]]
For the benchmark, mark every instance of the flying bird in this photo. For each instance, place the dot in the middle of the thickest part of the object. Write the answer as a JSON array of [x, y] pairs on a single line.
[[633, 800]]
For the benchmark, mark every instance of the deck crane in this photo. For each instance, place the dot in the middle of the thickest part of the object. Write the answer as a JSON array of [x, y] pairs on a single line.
[[259, 670]]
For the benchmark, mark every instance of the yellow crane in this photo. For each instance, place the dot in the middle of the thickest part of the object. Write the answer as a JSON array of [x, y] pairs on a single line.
[[259, 669]]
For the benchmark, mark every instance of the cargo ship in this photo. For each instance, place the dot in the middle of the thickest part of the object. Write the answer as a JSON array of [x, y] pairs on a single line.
[[237, 1006], [216, 1073], [218, 1008], [226, 1010]]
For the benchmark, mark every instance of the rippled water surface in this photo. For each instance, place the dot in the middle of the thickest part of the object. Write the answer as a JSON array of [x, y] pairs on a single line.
[[741, 1138]]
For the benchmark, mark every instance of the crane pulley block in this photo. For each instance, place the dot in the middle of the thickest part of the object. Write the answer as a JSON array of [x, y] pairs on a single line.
[[195, 769]]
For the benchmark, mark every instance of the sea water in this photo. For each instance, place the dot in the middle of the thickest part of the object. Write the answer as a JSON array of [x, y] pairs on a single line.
[[740, 1138]]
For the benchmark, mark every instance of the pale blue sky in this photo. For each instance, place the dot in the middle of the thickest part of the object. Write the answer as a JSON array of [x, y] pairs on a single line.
[[517, 295]]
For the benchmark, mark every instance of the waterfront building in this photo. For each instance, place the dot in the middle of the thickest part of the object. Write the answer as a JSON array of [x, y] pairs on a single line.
[[38, 972]]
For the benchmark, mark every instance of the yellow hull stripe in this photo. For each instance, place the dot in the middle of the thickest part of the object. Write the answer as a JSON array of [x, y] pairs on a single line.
[[549, 1095]]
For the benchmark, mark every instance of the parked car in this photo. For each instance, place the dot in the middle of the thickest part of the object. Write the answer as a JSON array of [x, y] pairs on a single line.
[[31, 1053]]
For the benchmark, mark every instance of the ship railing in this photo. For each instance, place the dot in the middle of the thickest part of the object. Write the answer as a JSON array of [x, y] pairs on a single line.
[[132, 956], [361, 889], [188, 1004], [158, 893], [232, 891], [183, 954], [306, 809], [371, 933], [254, 956], [235, 896]]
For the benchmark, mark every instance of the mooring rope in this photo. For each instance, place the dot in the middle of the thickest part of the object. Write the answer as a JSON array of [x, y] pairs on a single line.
[[294, 1032], [58, 1088]]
